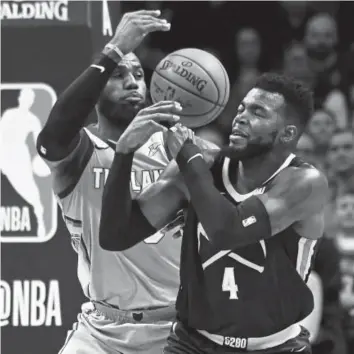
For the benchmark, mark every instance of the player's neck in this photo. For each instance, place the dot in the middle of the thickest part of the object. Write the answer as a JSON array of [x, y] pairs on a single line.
[[252, 172], [108, 130]]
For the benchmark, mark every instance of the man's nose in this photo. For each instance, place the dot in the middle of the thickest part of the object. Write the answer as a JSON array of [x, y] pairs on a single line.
[[130, 82]]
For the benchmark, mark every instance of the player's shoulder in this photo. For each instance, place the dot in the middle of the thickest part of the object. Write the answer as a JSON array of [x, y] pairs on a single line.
[[303, 174]]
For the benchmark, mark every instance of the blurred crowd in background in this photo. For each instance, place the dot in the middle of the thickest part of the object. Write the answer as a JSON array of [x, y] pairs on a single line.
[[313, 42]]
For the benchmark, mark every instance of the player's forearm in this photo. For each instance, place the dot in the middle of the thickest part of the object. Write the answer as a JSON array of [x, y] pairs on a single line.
[[73, 106], [122, 223], [161, 200], [223, 222]]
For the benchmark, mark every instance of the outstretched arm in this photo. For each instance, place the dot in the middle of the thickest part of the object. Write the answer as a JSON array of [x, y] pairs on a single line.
[[126, 222], [296, 194], [60, 134]]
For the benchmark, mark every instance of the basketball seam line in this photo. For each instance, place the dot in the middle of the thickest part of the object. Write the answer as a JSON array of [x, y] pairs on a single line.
[[210, 76], [187, 90]]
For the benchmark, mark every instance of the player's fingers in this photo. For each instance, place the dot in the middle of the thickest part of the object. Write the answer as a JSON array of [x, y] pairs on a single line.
[[162, 103], [163, 117], [154, 13], [190, 135], [155, 26], [154, 127], [168, 108], [148, 18]]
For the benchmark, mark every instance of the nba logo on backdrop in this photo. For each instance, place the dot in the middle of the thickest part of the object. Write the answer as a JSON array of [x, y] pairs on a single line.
[[28, 206]]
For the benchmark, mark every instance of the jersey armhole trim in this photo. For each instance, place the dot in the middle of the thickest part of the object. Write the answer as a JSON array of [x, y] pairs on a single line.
[[80, 167]]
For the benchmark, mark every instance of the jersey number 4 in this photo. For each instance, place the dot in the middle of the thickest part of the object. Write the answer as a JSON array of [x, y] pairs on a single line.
[[229, 283]]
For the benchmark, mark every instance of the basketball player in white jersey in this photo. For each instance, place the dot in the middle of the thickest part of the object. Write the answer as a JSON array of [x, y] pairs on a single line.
[[16, 125], [132, 293]]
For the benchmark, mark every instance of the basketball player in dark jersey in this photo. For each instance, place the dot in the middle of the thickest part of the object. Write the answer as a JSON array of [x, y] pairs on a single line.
[[251, 230]]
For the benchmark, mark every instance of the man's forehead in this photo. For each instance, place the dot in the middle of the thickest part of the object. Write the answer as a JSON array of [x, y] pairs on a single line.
[[322, 24], [321, 115], [348, 197], [265, 98], [342, 138], [129, 60]]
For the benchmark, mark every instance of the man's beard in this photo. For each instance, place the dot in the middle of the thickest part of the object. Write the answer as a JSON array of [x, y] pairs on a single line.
[[319, 52], [121, 113], [253, 149]]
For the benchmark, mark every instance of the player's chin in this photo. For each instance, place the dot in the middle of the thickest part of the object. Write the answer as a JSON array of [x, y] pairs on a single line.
[[233, 150], [127, 110]]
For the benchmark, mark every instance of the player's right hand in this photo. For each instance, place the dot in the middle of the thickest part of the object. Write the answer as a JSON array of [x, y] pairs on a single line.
[[146, 123], [134, 26]]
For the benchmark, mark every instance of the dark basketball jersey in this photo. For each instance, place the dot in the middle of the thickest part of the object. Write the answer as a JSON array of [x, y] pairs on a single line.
[[253, 291]]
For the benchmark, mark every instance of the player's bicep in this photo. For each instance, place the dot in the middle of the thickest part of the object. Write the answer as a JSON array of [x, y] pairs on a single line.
[[296, 196], [67, 172]]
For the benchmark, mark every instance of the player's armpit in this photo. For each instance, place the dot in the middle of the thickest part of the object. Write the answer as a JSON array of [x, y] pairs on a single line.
[[296, 195]]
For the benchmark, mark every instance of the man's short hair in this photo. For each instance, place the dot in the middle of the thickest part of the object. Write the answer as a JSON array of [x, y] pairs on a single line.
[[298, 98]]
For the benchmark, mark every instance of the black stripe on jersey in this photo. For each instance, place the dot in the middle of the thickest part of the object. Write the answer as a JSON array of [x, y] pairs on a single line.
[[75, 222], [78, 164]]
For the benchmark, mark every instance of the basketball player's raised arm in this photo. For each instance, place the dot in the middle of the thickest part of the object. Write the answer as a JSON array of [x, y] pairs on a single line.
[[156, 206], [60, 135], [296, 195]]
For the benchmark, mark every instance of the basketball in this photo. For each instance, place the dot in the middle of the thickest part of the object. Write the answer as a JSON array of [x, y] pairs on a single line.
[[197, 80]]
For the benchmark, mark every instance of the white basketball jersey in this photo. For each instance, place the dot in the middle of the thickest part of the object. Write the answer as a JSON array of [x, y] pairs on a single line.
[[146, 275]]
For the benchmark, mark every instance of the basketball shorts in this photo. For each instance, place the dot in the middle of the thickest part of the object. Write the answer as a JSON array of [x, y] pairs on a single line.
[[104, 330], [185, 340]]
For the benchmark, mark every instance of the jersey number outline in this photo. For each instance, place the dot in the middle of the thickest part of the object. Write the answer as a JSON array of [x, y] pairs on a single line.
[[229, 283]]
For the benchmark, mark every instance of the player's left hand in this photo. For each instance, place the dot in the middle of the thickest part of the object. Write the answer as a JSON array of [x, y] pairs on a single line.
[[176, 137]]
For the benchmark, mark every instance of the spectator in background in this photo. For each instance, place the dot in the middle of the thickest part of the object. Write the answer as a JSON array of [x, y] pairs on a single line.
[[292, 21], [345, 243], [248, 51], [320, 41], [321, 127], [295, 64], [330, 339], [329, 67], [340, 159], [306, 150]]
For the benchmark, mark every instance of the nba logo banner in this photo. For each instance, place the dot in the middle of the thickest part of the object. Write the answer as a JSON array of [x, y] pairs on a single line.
[[28, 206]]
